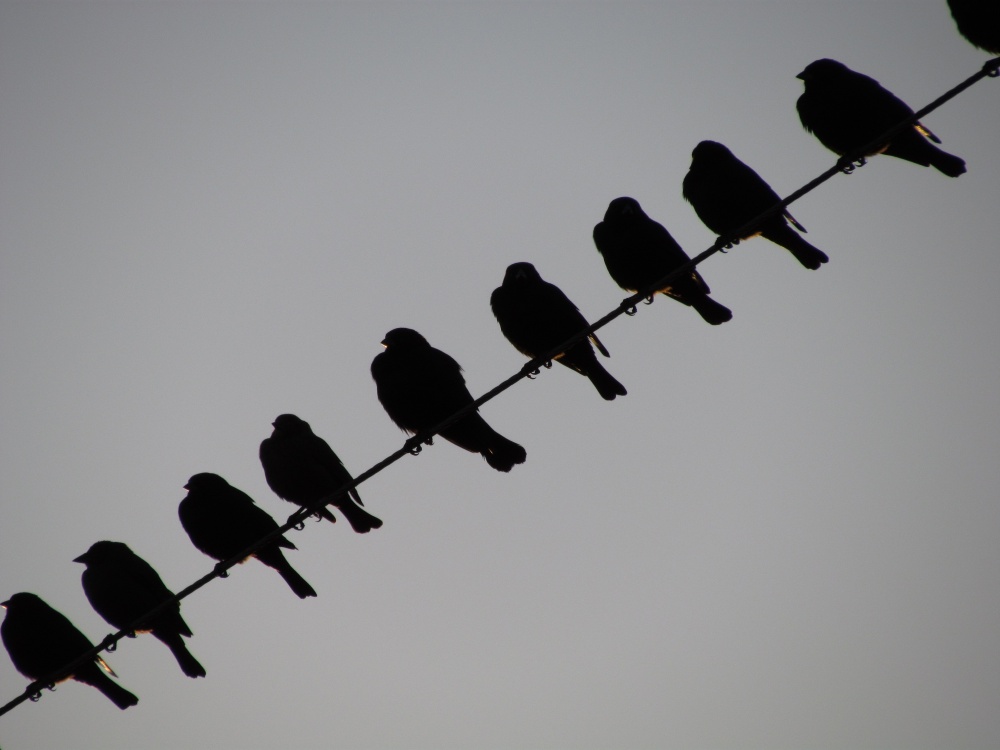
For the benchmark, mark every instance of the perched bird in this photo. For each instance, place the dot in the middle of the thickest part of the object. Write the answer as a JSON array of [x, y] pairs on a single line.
[[536, 316], [122, 587], [979, 22], [301, 468], [420, 386], [639, 251], [223, 521], [726, 194], [41, 640], [846, 111]]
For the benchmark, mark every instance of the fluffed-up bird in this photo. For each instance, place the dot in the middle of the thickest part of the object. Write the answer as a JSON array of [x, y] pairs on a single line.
[[420, 386], [223, 521], [302, 468], [847, 110], [41, 640], [979, 22], [726, 194], [537, 316], [122, 587], [639, 252]]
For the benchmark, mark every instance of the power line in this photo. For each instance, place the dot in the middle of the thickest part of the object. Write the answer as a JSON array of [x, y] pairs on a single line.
[[846, 164]]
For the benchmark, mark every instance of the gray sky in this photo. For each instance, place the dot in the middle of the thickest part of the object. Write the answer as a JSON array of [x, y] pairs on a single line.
[[785, 536]]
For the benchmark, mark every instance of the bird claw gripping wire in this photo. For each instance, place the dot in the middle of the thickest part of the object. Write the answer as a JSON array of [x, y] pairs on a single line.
[[36, 690], [992, 67], [413, 445], [221, 572], [647, 301], [850, 166]]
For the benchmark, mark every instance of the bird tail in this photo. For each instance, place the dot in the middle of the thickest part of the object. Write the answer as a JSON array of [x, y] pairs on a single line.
[[606, 385], [273, 558], [92, 675], [189, 665], [361, 520], [806, 254], [949, 164], [710, 310], [503, 454], [474, 434], [919, 150]]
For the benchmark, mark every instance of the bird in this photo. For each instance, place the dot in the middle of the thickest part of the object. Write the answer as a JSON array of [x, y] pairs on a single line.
[[300, 467], [537, 316], [727, 194], [847, 110], [122, 587], [41, 640], [420, 386], [979, 22], [639, 252], [223, 521]]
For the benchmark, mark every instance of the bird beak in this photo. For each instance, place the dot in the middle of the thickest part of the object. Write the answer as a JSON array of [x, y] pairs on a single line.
[[384, 344], [81, 559], [4, 604], [801, 76], [187, 486]]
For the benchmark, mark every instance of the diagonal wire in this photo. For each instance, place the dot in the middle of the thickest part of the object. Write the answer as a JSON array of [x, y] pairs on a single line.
[[846, 164]]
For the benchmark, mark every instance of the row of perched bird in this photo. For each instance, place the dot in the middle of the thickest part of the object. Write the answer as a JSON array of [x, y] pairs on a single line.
[[420, 386]]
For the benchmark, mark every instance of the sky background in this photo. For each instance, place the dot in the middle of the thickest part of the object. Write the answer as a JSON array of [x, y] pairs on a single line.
[[785, 536]]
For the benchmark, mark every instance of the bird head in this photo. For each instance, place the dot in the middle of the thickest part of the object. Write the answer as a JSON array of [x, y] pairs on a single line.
[[821, 69], [520, 273], [101, 551], [289, 424], [22, 600], [623, 208], [205, 481], [404, 338], [709, 150]]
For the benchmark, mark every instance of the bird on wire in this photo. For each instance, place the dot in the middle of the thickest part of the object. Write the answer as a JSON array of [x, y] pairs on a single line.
[[727, 194], [420, 386], [638, 252], [41, 640], [847, 110], [222, 521], [979, 22], [300, 467], [537, 316], [122, 587]]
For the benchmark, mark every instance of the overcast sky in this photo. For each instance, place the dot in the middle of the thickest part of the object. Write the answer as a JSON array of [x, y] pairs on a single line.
[[785, 536]]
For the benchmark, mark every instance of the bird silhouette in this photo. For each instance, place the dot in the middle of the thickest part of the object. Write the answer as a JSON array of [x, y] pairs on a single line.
[[537, 316], [847, 110], [223, 521], [420, 386], [122, 587], [727, 194], [302, 468], [639, 252], [41, 640], [979, 22]]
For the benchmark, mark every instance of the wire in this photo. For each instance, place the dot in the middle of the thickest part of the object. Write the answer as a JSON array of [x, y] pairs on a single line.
[[846, 164]]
